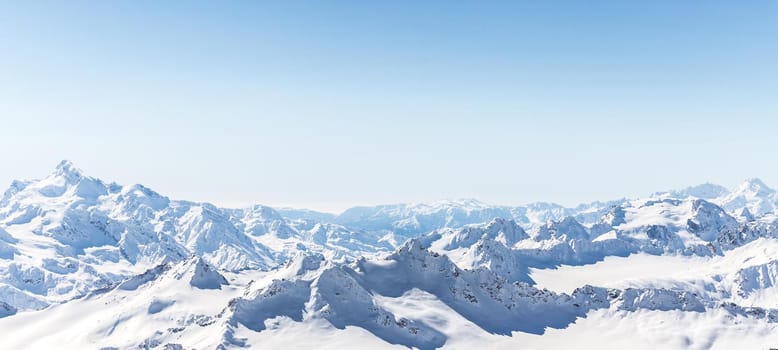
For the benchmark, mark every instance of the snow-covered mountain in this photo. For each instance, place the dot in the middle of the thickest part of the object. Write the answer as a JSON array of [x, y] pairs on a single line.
[[69, 233], [752, 195], [126, 267]]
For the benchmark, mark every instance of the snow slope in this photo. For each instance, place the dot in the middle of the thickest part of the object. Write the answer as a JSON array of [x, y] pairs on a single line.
[[412, 297]]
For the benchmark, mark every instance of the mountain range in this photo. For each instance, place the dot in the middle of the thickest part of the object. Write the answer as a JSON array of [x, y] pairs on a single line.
[[86, 263]]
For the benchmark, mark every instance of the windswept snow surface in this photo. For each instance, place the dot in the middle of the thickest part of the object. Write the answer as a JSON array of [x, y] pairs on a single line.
[[86, 263]]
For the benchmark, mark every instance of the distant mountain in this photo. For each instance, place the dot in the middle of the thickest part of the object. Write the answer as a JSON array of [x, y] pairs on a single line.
[[753, 195], [704, 191]]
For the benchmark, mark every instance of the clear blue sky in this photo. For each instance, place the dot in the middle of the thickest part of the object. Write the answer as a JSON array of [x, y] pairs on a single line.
[[328, 104]]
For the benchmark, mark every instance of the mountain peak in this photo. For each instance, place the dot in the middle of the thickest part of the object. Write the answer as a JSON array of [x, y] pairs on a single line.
[[756, 186], [412, 247], [67, 170], [198, 273], [505, 231], [568, 227], [206, 276], [65, 166]]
